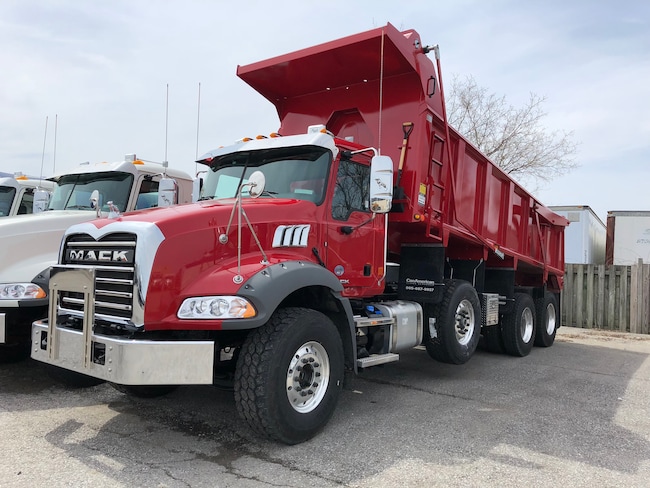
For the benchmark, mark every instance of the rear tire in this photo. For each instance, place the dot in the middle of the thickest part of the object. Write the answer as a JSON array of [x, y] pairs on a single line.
[[518, 327], [547, 320], [289, 375], [458, 324]]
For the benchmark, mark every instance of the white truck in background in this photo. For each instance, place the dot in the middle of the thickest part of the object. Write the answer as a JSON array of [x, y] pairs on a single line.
[[584, 238], [18, 192], [29, 244], [628, 237]]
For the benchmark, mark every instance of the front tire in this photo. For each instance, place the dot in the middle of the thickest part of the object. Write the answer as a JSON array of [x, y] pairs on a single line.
[[289, 375], [458, 324], [518, 327], [547, 320]]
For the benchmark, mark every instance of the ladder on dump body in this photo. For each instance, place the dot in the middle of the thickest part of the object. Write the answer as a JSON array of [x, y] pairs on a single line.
[[435, 184]]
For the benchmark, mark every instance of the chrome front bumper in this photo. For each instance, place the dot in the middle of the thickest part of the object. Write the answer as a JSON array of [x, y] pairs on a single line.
[[126, 362], [118, 360]]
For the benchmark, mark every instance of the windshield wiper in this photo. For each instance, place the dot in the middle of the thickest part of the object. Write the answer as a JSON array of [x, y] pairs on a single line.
[[79, 207]]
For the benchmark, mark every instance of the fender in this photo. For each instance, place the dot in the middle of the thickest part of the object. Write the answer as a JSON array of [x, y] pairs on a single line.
[[267, 288]]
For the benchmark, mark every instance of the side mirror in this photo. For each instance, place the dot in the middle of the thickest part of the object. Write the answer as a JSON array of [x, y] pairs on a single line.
[[94, 203], [256, 184], [381, 184], [41, 201], [167, 192], [197, 186]]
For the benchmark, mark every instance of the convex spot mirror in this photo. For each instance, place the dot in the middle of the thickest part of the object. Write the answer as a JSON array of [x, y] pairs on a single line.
[[256, 183], [94, 203]]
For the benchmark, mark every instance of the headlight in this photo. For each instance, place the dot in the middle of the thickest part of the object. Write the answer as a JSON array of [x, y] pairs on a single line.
[[20, 291], [220, 307]]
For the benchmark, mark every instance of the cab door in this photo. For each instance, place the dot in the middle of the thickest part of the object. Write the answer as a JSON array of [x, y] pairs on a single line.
[[355, 237]]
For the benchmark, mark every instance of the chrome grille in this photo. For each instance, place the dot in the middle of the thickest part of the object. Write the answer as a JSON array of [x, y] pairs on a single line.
[[113, 257]]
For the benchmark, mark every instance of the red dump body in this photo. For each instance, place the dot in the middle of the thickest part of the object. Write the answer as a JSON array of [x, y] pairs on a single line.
[[369, 88]]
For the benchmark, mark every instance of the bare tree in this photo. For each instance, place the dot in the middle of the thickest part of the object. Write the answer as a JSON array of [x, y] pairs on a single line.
[[513, 138]]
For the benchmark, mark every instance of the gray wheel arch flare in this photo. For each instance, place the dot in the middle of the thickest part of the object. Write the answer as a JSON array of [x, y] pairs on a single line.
[[270, 286]]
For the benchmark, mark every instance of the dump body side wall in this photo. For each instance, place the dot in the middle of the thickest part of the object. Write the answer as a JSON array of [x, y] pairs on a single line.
[[481, 201]]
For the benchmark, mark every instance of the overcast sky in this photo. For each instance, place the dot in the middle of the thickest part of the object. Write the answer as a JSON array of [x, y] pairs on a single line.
[[102, 68]]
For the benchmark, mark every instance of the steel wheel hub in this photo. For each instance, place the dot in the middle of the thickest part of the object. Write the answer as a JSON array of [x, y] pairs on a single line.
[[550, 319], [527, 325], [465, 322], [307, 377]]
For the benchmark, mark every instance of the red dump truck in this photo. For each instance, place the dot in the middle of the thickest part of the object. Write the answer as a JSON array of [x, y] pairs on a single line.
[[365, 227]]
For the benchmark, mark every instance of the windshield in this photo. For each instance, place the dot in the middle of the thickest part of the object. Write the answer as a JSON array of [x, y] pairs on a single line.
[[7, 194], [73, 191], [290, 172]]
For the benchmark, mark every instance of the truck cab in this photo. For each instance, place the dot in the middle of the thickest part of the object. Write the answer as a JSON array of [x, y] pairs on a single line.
[[29, 243], [330, 174], [17, 194]]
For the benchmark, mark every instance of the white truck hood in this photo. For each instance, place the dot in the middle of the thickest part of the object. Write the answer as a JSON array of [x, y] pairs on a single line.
[[29, 244]]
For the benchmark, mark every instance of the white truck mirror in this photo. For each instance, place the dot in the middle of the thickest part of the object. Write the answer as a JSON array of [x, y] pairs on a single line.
[[381, 184], [94, 203], [196, 188], [41, 201], [167, 192], [256, 184]]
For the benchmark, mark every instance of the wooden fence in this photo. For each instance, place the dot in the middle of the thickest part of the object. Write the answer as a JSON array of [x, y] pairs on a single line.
[[607, 297]]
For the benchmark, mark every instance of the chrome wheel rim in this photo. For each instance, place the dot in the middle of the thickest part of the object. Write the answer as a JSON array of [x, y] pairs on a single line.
[[307, 377], [465, 322], [527, 325], [550, 319]]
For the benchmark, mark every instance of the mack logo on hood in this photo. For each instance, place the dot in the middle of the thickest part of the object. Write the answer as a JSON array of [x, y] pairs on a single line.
[[99, 255]]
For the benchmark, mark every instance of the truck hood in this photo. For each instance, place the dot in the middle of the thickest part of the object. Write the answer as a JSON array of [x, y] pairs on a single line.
[[29, 244], [183, 219], [188, 238]]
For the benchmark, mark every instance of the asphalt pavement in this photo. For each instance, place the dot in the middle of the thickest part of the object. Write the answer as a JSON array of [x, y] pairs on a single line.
[[573, 415]]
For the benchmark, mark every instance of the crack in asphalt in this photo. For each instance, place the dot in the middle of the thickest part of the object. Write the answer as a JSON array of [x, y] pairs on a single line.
[[232, 446]]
